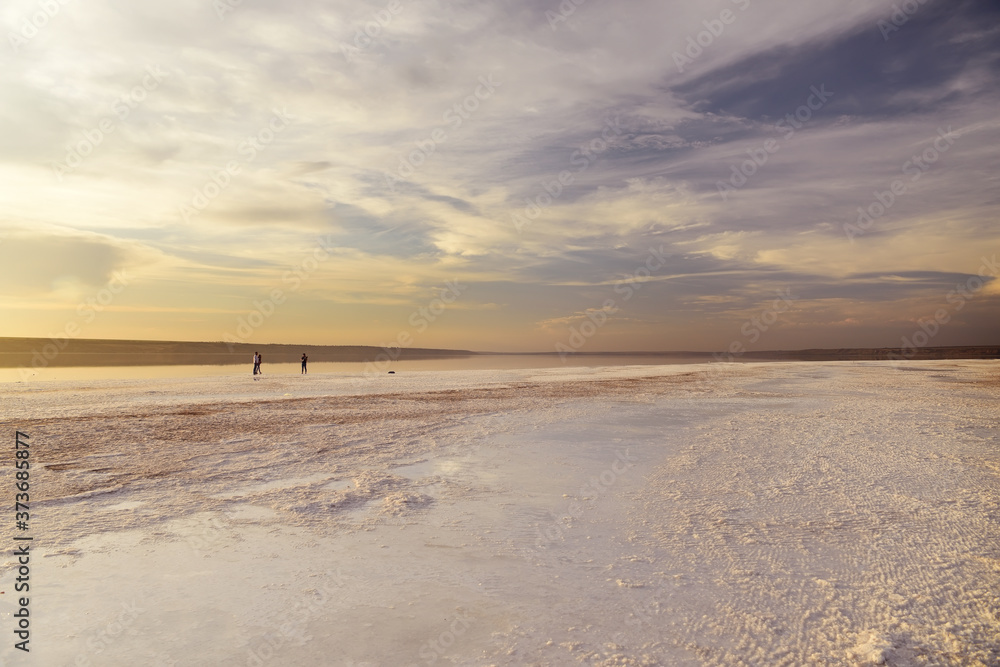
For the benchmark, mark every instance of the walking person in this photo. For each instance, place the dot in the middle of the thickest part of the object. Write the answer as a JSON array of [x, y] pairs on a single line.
[[304, 360], [256, 363]]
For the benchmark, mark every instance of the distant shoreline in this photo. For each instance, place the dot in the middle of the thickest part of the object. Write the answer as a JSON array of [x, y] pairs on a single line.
[[44, 352]]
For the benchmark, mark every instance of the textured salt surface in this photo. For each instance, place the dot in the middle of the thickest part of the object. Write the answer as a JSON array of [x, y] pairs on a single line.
[[774, 514]]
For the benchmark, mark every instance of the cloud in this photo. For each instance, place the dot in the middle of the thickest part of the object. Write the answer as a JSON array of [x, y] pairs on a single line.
[[919, 70], [40, 263], [590, 132]]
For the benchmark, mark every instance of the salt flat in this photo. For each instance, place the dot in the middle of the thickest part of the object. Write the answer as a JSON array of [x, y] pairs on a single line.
[[719, 514]]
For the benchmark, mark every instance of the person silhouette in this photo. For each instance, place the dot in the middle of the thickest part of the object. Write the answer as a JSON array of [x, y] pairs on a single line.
[[304, 360]]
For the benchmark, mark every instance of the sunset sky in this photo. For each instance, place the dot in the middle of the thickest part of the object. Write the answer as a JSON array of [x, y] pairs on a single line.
[[629, 175]]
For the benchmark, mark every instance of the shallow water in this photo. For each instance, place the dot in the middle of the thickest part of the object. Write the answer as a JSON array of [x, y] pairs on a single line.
[[478, 362]]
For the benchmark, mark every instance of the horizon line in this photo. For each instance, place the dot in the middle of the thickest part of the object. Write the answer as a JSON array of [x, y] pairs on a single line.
[[492, 352]]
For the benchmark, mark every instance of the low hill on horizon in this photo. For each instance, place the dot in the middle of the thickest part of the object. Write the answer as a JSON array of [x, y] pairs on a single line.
[[42, 352]]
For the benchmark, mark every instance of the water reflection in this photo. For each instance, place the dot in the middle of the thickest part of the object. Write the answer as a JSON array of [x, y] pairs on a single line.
[[478, 362]]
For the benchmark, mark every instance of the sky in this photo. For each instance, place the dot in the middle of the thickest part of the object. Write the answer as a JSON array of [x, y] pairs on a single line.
[[519, 175]]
